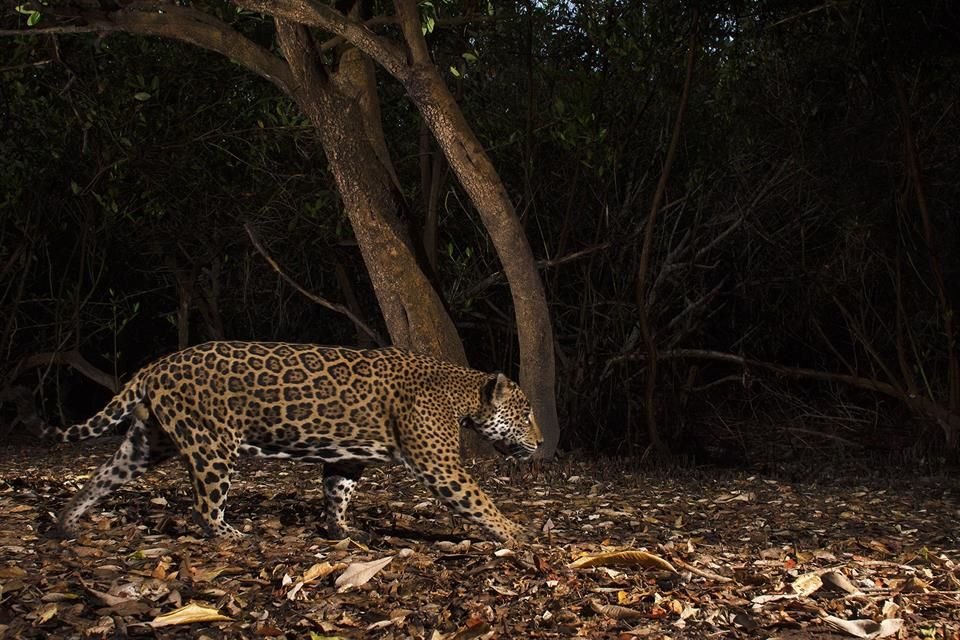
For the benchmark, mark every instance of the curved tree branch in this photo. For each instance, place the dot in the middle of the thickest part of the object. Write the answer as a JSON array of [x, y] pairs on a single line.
[[316, 14], [171, 21]]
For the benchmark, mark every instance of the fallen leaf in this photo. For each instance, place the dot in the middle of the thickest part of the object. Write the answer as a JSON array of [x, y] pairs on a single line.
[[360, 573], [108, 599], [45, 612], [12, 572], [623, 558], [838, 581], [188, 614], [320, 570], [615, 611], [865, 628], [806, 584]]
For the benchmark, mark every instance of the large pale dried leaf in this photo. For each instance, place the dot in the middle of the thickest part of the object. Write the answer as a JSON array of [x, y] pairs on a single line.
[[188, 614], [321, 570], [360, 573], [774, 597], [45, 612], [806, 584], [865, 628], [623, 558], [838, 581], [201, 574]]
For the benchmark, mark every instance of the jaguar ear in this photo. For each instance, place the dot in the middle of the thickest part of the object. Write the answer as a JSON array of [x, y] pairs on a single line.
[[494, 388]]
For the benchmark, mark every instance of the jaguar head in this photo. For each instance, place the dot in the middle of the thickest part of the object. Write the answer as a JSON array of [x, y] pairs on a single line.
[[506, 419]]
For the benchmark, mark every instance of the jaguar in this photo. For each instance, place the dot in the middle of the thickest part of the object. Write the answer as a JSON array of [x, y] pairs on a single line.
[[342, 407]]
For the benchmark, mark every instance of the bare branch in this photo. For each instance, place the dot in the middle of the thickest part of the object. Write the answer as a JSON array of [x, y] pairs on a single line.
[[169, 20], [498, 276], [72, 359], [323, 302]]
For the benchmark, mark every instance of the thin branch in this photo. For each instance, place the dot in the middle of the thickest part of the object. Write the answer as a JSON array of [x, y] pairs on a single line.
[[71, 359], [323, 302], [26, 65], [172, 21], [948, 420], [499, 276], [647, 246]]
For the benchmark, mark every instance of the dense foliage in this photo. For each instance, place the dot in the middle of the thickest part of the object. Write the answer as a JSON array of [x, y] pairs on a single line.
[[790, 234]]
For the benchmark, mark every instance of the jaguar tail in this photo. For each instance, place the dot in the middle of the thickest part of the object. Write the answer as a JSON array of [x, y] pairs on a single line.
[[128, 402]]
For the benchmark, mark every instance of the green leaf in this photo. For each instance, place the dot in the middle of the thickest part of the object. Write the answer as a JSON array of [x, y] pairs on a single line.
[[33, 16], [142, 96], [469, 56], [454, 71], [74, 187]]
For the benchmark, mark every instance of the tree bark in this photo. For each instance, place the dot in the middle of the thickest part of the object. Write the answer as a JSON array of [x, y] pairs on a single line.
[[476, 173], [412, 309]]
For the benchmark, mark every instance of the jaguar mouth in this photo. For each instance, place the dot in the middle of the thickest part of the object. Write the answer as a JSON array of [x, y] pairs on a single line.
[[514, 449]]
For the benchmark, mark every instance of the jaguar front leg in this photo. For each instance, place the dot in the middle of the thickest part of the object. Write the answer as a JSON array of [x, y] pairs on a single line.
[[456, 488]]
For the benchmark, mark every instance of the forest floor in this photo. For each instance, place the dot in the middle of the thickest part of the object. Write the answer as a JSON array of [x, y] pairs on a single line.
[[616, 554]]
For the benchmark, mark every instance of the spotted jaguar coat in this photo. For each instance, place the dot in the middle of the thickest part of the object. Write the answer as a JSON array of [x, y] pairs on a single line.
[[342, 407]]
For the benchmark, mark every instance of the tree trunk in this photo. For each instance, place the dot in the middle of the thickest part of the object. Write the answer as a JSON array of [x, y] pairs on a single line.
[[411, 65], [413, 312], [476, 173]]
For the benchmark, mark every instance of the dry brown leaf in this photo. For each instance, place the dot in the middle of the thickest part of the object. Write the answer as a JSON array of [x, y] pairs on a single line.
[[108, 599], [838, 581], [360, 573], [865, 628], [321, 570], [622, 559], [20, 508], [806, 584], [188, 614], [615, 611], [12, 572], [45, 612], [480, 631]]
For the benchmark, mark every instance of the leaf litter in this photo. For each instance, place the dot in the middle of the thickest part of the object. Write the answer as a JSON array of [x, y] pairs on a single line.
[[614, 554]]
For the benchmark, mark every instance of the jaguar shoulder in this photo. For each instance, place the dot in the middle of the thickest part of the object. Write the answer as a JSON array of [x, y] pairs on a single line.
[[343, 407]]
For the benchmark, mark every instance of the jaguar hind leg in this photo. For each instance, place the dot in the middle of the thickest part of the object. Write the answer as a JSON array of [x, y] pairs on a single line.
[[144, 446], [339, 483]]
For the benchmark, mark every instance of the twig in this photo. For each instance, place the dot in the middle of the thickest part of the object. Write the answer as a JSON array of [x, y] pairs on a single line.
[[948, 421], [323, 302], [71, 359], [26, 65], [647, 248], [497, 276], [703, 573]]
